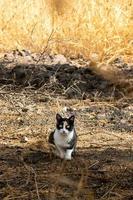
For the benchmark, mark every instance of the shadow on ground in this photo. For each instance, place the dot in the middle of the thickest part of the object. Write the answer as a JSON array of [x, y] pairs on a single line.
[[26, 173]]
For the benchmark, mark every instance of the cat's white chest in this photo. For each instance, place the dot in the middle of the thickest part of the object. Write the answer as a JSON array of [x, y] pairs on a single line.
[[62, 140]]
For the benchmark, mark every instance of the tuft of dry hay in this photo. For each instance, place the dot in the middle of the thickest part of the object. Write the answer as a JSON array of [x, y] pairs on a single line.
[[80, 27]]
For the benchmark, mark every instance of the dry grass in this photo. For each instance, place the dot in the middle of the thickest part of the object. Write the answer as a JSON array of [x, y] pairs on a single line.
[[102, 168], [79, 27]]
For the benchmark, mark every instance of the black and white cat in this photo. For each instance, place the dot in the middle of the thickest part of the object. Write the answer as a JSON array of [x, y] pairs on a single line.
[[64, 137]]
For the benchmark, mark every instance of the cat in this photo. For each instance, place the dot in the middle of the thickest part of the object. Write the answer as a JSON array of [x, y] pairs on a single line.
[[64, 137]]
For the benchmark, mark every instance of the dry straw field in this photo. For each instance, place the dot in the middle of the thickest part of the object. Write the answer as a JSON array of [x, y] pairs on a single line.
[[68, 57], [76, 27]]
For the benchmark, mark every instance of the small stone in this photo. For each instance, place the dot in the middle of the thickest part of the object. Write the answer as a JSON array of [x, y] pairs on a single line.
[[101, 116], [94, 57], [24, 109], [43, 99], [118, 60], [24, 139], [20, 121], [123, 121], [3, 143], [60, 59], [9, 57], [26, 52]]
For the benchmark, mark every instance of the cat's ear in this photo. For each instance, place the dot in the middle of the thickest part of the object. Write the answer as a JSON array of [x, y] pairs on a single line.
[[58, 117], [71, 118]]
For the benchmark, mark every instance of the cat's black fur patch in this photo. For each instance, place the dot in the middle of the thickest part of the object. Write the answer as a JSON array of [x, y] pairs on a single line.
[[73, 141], [51, 138]]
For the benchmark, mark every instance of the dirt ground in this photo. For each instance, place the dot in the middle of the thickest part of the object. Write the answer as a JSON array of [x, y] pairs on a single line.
[[30, 96]]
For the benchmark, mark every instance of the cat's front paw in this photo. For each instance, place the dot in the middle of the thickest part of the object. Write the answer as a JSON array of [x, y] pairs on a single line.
[[59, 154], [68, 157], [62, 155]]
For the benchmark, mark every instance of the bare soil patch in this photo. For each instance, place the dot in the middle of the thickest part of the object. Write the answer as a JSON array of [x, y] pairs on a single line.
[[30, 96]]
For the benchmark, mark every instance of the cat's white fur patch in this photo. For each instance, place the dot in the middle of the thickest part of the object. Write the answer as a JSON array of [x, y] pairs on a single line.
[[61, 141], [68, 154]]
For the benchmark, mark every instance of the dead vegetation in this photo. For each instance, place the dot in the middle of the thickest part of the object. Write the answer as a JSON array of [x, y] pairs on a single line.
[[102, 167], [80, 61], [98, 30]]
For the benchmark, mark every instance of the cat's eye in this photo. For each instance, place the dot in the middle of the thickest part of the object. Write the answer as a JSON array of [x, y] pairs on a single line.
[[67, 126], [60, 126]]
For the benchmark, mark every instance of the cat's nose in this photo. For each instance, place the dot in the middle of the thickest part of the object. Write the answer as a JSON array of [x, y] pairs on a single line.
[[63, 132]]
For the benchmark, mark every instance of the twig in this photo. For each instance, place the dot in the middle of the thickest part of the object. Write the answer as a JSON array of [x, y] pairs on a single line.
[[93, 164], [108, 191], [35, 178], [49, 38]]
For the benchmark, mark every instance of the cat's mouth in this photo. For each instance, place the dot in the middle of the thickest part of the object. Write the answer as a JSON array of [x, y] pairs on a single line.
[[63, 133]]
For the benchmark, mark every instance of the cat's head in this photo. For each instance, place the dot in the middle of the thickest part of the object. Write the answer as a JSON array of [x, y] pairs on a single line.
[[64, 125]]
